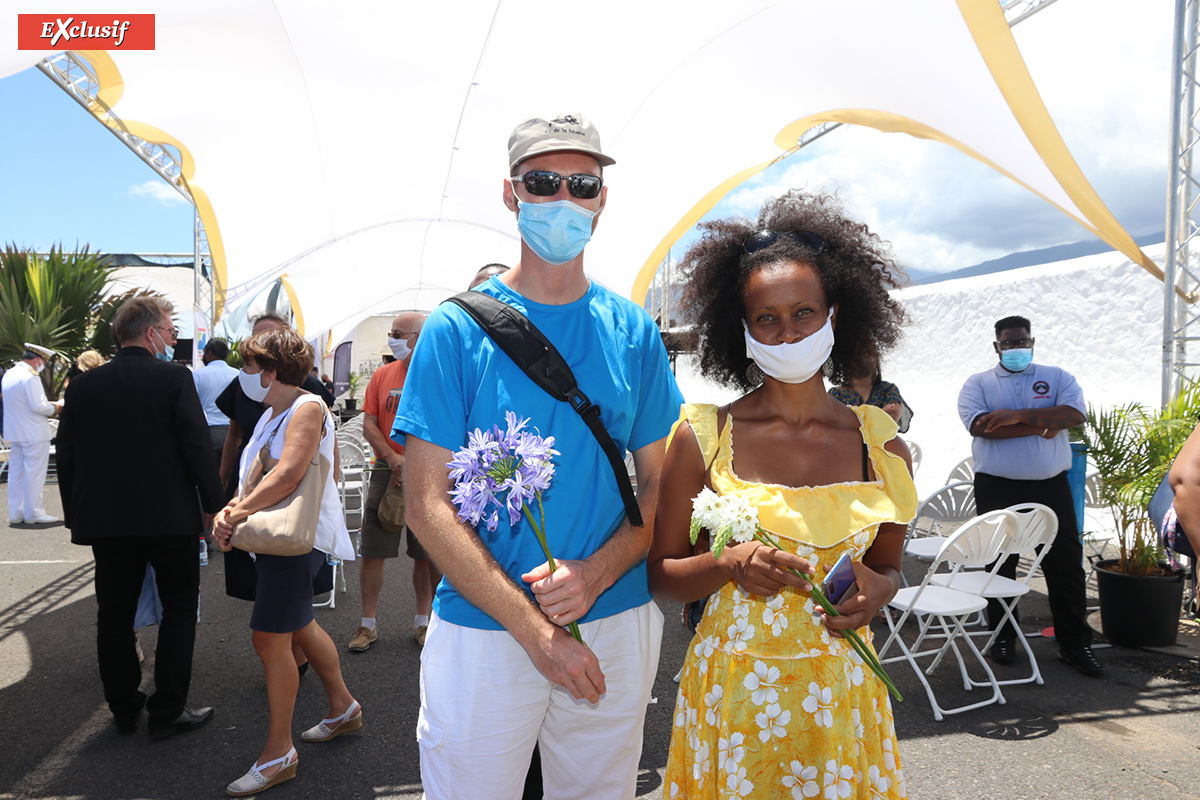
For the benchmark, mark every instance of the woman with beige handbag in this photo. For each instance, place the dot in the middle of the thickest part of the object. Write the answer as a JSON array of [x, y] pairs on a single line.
[[289, 515]]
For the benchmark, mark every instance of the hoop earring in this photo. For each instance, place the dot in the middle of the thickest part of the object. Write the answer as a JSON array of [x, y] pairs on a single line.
[[754, 374]]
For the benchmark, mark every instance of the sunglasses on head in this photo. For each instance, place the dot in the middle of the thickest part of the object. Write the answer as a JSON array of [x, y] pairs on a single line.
[[761, 240], [545, 184]]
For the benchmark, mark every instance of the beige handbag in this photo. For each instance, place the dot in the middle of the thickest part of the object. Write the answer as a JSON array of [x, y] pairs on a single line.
[[288, 528], [391, 508]]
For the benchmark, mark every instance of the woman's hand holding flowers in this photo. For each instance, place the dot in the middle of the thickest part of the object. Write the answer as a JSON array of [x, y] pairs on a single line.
[[764, 570]]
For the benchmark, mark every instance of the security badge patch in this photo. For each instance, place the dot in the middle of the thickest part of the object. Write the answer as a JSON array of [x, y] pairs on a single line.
[[1041, 391]]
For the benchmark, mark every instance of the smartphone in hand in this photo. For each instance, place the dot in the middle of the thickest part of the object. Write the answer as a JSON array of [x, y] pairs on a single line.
[[840, 580]]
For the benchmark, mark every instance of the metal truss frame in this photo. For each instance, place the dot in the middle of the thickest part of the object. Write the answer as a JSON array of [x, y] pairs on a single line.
[[1181, 318], [75, 76]]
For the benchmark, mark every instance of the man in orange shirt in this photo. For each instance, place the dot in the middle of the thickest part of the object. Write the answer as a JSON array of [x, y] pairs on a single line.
[[378, 544]]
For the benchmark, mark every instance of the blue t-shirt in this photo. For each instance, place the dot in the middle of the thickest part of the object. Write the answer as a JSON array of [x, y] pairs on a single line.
[[459, 380], [1026, 458]]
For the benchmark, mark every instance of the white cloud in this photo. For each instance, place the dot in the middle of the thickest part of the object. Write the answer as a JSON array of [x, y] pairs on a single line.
[[1102, 69], [158, 191]]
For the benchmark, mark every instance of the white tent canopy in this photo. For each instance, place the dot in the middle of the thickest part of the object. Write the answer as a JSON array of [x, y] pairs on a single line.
[[358, 150]]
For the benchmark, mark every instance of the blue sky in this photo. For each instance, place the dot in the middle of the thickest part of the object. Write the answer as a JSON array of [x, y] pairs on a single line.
[[67, 180]]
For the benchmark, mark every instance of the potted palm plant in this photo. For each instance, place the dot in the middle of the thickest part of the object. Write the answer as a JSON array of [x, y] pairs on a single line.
[[355, 383], [1133, 446]]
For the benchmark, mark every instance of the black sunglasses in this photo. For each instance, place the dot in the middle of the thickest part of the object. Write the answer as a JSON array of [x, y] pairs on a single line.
[[545, 184], [761, 240]]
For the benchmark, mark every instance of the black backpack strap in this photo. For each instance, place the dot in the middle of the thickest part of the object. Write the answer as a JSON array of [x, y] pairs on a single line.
[[530, 350]]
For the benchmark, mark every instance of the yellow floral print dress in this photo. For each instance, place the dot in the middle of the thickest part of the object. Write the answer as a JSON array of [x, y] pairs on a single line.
[[770, 705]]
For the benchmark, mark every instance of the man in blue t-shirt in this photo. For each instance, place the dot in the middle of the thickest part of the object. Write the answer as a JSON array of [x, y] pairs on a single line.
[[499, 670], [1018, 413]]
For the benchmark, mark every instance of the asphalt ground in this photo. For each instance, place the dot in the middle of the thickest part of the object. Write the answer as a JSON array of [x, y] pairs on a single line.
[[1133, 734]]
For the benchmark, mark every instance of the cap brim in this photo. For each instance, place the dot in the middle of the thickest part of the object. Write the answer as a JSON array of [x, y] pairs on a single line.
[[44, 352]]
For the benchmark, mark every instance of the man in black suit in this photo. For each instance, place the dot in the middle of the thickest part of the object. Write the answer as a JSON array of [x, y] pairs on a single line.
[[133, 449]]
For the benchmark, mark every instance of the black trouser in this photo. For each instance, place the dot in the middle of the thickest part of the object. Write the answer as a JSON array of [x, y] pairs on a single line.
[[120, 569], [1062, 566], [218, 434]]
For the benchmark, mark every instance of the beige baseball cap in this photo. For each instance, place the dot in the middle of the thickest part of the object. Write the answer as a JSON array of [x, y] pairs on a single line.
[[538, 135]]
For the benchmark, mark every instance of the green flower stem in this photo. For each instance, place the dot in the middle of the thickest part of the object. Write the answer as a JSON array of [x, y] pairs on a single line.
[[541, 537], [856, 641]]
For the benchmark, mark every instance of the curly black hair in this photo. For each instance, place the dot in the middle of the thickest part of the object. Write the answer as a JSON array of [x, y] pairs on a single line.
[[855, 268]]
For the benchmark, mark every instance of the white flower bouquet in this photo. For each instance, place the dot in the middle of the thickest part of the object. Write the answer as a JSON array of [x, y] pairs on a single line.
[[732, 517]]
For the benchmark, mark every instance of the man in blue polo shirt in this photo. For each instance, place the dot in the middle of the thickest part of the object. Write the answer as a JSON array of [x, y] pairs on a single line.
[[499, 671], [1018, 413]]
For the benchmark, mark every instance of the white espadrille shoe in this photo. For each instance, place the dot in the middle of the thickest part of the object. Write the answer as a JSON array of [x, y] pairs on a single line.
[[328, 729], [254, 781]]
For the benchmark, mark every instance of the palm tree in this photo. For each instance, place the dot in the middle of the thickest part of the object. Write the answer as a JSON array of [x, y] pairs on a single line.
[[57, 301], [1133, 446]]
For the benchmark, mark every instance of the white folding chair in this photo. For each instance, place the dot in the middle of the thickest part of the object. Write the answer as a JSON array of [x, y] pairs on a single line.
[[1096, 529], [944, 612], [1037, 526], [915, 450], [357, 446], [963, 471], [338, 569], [52, 464], [352, 484], [945, 509]]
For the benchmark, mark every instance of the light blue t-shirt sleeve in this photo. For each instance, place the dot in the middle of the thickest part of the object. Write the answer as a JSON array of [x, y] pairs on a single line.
[[971, 402], [658, 405], [433, 406]]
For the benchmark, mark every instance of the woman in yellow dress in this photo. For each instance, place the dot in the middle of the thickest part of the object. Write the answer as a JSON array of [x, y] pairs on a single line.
[[773, 702]]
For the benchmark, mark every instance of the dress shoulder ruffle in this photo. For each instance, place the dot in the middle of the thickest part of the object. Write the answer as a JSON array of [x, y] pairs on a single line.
[[825, 515]]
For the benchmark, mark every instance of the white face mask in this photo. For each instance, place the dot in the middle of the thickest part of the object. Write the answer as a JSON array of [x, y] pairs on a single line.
[[399, 348], [792, 362], [252, 385]]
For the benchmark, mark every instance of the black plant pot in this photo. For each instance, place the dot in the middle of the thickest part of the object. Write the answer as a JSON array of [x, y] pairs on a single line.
[[1139, 610], [350, 403]]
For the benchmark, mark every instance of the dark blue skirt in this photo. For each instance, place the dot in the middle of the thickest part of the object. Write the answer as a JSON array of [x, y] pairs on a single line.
[[283, 600]]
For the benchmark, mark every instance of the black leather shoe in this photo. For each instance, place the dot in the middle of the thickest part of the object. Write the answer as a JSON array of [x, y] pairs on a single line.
[[189, 719], [1003, 651], [127, 722], [1082, 659]]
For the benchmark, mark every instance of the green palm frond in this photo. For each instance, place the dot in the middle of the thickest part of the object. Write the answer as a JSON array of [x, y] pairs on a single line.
[[1132, 447], [57, 301]]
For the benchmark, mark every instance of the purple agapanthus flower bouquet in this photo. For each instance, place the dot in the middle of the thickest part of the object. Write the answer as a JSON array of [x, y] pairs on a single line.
[[505, 470]]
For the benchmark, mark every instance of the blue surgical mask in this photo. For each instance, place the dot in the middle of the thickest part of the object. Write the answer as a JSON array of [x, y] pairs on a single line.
[[168, 352], [556, 231], [1016, 360]]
